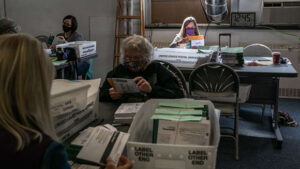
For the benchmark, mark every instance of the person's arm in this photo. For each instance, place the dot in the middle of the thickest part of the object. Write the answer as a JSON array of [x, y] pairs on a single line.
[[104, 90], [175, 41], [108, 93], [55, 157], [167, 85]]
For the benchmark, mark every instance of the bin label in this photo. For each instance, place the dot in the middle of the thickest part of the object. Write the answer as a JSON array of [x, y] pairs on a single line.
[[143, 153], [197, 157]]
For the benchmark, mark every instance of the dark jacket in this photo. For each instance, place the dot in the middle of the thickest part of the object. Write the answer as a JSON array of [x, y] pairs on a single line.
[[163, 83], [46, 154], [75, 36]]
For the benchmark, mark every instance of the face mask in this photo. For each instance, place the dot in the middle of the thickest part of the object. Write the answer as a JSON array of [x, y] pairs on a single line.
[[137, 66], [66, 28], [190, 31]]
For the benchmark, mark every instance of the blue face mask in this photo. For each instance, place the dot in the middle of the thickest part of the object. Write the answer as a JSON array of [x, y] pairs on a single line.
[[190, 31]]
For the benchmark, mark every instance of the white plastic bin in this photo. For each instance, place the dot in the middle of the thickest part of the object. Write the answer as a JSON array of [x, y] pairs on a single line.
[[144, 154], [67, 96]]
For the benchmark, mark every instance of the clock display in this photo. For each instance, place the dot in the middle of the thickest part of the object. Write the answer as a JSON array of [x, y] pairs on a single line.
[[243, 19]]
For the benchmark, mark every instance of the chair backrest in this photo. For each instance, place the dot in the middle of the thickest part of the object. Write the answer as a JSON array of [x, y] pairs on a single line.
[[257, 49], [214, 79], [177, 73], [42, 38]]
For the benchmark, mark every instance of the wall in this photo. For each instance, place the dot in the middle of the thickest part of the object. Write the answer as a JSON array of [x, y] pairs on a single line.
[[95, 17]]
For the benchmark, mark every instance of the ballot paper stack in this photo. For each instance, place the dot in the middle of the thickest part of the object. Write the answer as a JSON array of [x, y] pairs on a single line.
[[186, 124], [232, 56], [126, 112], [72, 105], [95, 144]]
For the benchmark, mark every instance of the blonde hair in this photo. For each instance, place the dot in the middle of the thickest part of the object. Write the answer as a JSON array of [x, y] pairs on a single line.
[[185, 22], [136, 43], [25, 81]]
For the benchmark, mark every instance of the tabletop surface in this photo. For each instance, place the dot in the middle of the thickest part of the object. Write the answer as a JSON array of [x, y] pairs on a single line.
[[278, 70]]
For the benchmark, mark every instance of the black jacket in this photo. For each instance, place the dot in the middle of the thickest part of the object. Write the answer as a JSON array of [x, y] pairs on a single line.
[[163, 82]]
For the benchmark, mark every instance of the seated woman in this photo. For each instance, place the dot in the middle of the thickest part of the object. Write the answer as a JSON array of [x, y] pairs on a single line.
[[153, 80], [70, 34], [28, 138], [188, 28]]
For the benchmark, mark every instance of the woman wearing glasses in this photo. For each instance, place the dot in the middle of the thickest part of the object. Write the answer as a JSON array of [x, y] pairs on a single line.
[[152, 79]]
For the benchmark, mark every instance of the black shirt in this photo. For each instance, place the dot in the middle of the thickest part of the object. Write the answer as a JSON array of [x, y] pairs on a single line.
[[163, 82]]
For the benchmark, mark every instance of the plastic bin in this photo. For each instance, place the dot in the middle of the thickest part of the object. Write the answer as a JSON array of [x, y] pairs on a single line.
[[144, 154], [67, 96]]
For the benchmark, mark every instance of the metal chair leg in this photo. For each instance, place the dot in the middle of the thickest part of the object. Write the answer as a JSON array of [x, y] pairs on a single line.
[[263, 112]]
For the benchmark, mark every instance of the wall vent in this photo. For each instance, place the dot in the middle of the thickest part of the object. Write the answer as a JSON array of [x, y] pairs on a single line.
[[289, 93]]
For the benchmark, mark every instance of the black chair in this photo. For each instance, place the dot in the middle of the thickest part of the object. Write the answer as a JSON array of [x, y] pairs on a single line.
[[220, 84], [178, 74]]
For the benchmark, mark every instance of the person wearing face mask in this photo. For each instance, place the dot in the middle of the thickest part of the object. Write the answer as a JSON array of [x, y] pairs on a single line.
[[152, 79], [69, 35], [69, 27], [188, 28]]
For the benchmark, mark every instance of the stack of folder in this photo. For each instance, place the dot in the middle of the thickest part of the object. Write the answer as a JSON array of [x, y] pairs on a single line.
[[232, 56]]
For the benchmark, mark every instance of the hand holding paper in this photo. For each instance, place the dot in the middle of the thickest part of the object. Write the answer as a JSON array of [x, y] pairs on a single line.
[[115, 95], [142, 84], [123, 85], [124, 163]]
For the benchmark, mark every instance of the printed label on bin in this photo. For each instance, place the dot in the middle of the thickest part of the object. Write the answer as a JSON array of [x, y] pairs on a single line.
[[63, 107], [143, 154], [199, 157]]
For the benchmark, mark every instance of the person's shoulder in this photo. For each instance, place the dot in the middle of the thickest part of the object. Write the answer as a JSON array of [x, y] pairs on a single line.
[[78, 34], [120, 69], [156, 65]]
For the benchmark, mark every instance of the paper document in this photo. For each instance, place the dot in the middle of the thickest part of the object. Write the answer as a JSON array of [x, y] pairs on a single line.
[[84, 166], [128, 109], [81, 140], [177, 105], [103, 143], [196, 40], [57, 41], [125, 85]]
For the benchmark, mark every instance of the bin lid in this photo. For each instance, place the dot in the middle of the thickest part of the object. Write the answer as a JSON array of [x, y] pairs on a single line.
[[62, 86]]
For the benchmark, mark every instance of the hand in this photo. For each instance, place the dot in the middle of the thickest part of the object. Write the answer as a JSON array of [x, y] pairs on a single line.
[[182, 41], [115, 95], [142, 84], [62, 38], [52, 47], [124, 163]]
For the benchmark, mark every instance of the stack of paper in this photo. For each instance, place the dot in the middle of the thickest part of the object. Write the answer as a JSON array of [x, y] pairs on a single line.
[[96, 144], [232, 56], [126, 112], [181, 124]]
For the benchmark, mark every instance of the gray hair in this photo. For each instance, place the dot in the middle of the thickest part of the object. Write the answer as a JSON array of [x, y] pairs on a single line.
[[136, 43], [8, 26]]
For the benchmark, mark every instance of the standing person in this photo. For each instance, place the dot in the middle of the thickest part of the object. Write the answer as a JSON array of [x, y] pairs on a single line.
[[188, 28], [28, 138], [8, 26], [70, 34], [153, 80]]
